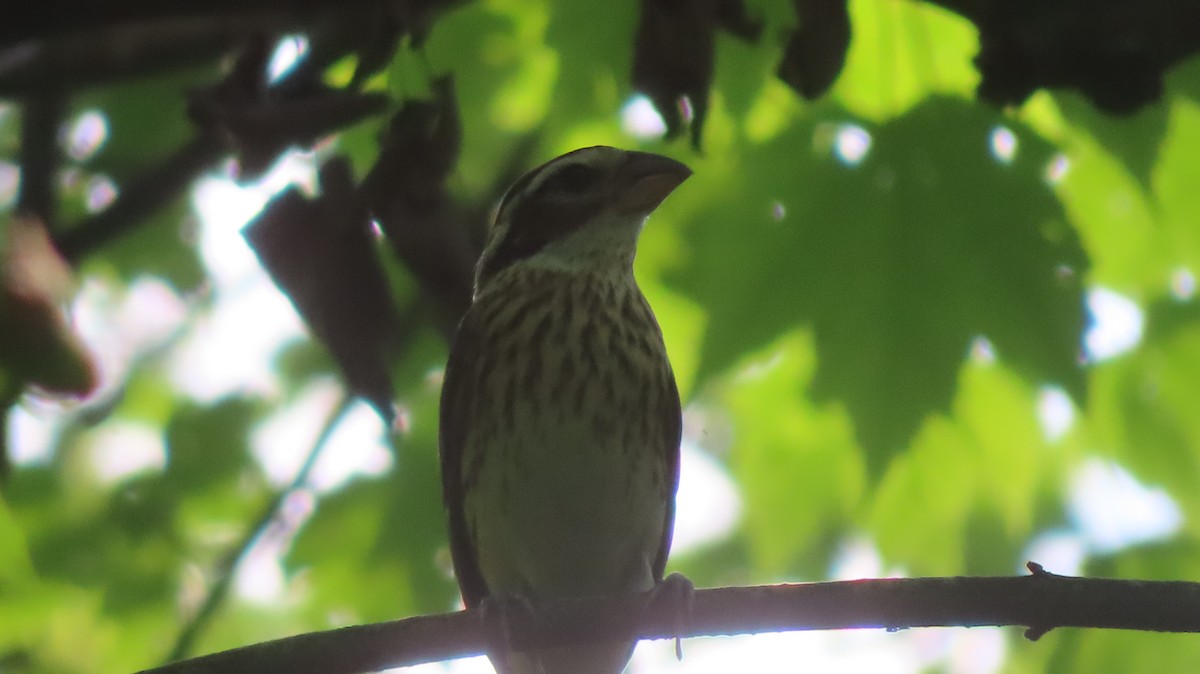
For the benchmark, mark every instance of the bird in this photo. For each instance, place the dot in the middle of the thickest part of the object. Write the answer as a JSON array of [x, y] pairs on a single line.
[[560, 420]]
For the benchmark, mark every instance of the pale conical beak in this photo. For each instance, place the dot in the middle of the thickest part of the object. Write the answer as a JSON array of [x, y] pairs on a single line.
[[645, 180]]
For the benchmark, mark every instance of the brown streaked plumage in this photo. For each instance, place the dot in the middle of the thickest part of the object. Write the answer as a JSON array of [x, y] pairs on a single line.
[[560, 419]]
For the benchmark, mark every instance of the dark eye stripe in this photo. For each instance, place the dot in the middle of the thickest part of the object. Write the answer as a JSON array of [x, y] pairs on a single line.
[[570, 179], [534, 223], [558, 206], [518, 190]]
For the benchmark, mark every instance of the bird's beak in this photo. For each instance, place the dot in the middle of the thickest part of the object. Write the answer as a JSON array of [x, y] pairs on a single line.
[[645, 180]]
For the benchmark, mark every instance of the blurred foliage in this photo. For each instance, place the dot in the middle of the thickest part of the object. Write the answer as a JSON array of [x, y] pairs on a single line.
[[866, 298]]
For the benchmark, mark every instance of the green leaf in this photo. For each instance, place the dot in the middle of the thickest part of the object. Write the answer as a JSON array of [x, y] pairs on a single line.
[[1019, 471], [1144, 411], [965, 496], [55, 628], [209, 445], [800, 472], [901, 54], [1184, 79], [1133, 140], [1175, 178], [1111, 209], [414, 523], [1119, 651], [923, 503], [390, 530], [897, 262], [15, 565], [159, 246], [594, 42], [337, 552]]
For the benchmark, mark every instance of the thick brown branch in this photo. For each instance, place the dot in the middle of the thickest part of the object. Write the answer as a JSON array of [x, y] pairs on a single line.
[[114, 55], [1041, 601]]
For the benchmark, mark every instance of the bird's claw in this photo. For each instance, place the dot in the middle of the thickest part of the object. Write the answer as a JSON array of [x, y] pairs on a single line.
[[675, 593]]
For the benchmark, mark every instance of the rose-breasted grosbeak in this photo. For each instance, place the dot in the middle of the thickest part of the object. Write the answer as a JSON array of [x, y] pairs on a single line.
[[560, 419]]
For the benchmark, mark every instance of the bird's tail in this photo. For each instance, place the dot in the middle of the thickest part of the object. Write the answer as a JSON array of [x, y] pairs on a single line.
[[602, 658]]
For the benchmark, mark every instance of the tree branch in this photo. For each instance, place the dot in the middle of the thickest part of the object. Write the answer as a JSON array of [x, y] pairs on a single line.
[[53, 18], [1041, 601], [40, 118], [114, 55], [10, 393], [150, 191]]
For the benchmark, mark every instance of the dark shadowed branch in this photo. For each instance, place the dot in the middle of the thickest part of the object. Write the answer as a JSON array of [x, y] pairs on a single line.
[[151, 190], [53, 18], [40, 117], [9, 394]]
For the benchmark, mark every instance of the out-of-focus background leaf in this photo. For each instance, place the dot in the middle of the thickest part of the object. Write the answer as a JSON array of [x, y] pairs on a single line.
[[939, 319]]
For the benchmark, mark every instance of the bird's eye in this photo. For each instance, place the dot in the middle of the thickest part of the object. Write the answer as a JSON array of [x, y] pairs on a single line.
[[572, 179]]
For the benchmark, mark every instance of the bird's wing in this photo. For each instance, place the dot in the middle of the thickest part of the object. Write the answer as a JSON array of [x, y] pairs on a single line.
[[458, 405], [672, 434]]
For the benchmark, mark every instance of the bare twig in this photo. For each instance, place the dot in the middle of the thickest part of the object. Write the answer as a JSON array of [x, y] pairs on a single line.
[[228, 565], [151, 190], [1041, 601]]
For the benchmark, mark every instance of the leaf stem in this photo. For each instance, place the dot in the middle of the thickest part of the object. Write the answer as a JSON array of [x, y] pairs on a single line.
[[227, 567]]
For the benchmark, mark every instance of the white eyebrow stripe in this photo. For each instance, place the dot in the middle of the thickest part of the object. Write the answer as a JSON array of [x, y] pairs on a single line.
[[529, 184], [536, 178]]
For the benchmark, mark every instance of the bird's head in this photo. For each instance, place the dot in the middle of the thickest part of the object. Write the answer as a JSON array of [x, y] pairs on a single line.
[[580, 211]]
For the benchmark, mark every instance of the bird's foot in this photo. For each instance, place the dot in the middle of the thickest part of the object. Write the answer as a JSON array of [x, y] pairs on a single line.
[[675, 594]]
